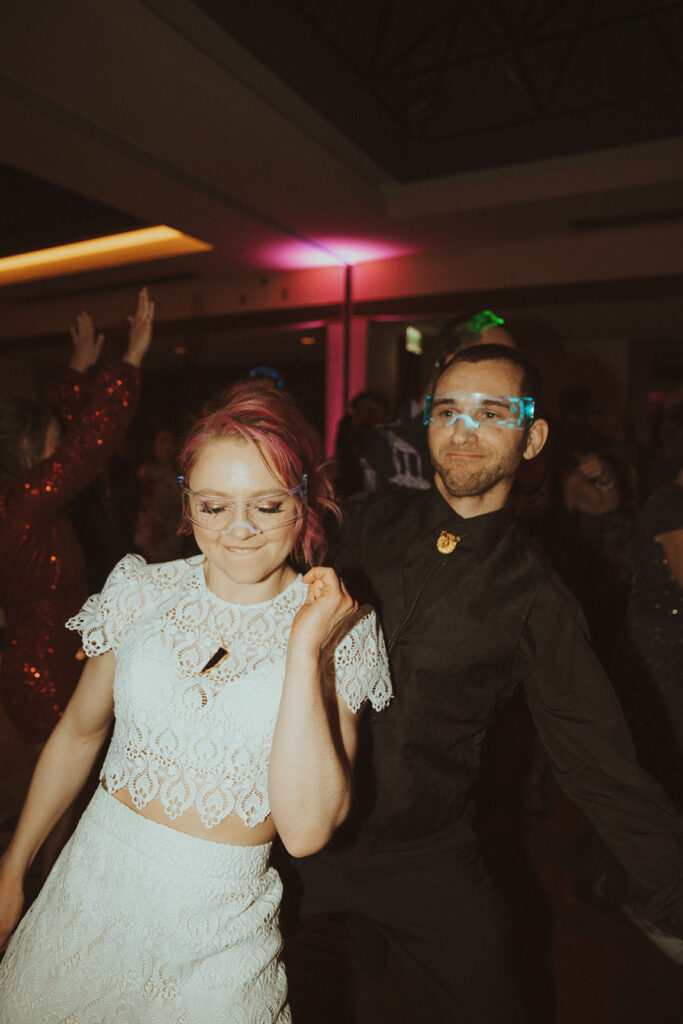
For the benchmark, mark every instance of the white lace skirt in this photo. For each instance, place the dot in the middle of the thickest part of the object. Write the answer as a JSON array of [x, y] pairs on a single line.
[[141, 924]]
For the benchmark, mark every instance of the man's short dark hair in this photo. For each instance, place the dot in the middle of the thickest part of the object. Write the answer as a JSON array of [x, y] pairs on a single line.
[[532, 384]]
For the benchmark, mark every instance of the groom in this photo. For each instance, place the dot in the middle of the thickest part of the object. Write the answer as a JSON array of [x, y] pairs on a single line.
[[470, 612]]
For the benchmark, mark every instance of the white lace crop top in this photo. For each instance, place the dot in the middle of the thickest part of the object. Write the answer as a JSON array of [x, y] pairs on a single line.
[[204, 740]]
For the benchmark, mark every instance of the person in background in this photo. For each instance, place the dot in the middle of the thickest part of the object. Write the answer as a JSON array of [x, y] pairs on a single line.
[[44, 462], [368, 409], [596, 546], [156, 533], [267, 374], [105, 514], [655, 619]]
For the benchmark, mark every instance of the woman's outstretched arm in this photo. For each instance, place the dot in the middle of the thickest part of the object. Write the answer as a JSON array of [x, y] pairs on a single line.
[[60, 774]]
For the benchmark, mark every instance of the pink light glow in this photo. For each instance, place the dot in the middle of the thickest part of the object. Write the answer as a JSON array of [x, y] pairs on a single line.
[[294, 255], [363, 250], [333, 252]]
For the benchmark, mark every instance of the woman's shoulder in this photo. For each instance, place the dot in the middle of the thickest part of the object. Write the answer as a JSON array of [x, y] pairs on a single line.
[[133, 589], [160, 577]]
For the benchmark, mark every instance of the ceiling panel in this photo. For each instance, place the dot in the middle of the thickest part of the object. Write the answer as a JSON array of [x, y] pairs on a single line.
[[442, 87]]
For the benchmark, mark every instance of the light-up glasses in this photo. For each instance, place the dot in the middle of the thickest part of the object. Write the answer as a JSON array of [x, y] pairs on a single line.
[[478, 410], [257, 515]]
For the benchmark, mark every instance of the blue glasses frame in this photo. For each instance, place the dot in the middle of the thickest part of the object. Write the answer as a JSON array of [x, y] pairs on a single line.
[[521, 415]]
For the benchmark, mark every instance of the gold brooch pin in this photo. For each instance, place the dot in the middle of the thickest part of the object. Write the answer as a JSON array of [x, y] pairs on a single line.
[[446, 543]]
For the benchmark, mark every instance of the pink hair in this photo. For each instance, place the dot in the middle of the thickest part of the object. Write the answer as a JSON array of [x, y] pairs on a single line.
[[288, 444]]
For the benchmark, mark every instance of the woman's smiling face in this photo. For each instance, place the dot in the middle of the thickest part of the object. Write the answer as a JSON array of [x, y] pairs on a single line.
[[242, 565]]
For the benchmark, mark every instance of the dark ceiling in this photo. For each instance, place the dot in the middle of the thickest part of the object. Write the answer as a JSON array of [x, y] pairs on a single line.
[[35, 214], [282, 130], [429, 89], [439, 87]]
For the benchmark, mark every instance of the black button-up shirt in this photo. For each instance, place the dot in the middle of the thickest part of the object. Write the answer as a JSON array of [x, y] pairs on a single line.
[[464, 629]]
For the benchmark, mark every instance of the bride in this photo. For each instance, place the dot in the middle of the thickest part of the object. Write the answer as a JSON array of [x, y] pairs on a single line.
[[228, 731]]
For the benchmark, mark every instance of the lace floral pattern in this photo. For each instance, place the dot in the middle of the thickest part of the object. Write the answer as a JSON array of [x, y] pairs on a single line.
[[141, 924], [361, 667], [193, 740]]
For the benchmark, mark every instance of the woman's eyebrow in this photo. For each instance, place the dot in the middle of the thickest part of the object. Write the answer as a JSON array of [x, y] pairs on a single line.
[[254, 495]]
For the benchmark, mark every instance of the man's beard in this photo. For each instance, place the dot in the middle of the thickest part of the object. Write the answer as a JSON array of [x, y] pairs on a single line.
[[469, 480]]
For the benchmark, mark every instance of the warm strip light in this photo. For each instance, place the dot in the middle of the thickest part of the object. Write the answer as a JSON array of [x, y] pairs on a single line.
[[96, 253]]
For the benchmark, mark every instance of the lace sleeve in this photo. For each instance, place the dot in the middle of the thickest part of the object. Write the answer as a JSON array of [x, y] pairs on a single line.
[[359, 661], [104, 618]]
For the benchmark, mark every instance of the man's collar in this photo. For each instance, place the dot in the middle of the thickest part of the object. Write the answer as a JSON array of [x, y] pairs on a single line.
[[483, 531]]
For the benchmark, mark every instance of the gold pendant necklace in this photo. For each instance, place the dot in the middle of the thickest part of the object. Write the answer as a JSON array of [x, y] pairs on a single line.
[[221, 652], [216, 658]]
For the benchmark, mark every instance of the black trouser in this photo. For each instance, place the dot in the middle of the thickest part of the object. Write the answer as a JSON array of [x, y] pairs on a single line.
[[435, 904]]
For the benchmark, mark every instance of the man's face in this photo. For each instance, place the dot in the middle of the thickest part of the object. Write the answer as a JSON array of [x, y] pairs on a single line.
[[480, 463]]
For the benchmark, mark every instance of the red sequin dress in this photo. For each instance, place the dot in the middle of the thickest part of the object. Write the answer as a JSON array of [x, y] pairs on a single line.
[[42, 569]]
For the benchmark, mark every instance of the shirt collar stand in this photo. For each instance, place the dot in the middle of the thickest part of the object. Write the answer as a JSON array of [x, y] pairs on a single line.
[[483, 531]]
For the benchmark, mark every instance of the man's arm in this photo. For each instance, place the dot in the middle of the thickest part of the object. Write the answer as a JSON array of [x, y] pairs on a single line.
[[581, 724]]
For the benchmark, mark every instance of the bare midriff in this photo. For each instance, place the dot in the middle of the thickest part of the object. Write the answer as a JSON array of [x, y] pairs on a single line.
[[230, 830]]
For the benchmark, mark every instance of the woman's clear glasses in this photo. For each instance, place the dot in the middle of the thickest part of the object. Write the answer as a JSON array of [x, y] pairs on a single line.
[[265, 512]]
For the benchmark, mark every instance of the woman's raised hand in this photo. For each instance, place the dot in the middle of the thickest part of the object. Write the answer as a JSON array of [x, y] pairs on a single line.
[[140, 334], [87, 347], [327, 603]]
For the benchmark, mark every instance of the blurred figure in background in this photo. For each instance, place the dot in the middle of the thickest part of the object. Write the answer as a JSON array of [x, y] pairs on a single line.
[[647, 668], [656, 608], [482, 328], [156, 533], [268, 374], [368, 409], [104, 515], [43, 464], [599, 486]]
